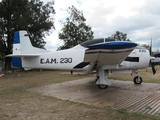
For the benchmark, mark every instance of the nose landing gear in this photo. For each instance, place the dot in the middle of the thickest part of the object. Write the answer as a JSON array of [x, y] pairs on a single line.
[[137, 79]]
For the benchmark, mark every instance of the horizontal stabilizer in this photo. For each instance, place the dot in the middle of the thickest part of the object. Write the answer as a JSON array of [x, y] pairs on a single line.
[[23, 55], [155, 60]]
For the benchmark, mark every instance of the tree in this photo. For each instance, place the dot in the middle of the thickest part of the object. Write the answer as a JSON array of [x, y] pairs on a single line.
[[145, 45], [74, 30], [27, 15], [120, 36]]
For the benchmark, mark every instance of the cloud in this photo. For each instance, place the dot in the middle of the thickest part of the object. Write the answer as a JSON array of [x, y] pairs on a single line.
[[139, 19]]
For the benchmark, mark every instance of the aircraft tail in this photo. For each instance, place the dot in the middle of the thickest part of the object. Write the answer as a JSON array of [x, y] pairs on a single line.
[[22, 47]]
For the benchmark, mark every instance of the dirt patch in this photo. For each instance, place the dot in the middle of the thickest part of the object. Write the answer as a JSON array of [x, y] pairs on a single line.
[[18, 104]]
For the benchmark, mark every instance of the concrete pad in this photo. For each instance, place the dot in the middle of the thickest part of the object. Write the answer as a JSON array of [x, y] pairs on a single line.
[[143, 98]]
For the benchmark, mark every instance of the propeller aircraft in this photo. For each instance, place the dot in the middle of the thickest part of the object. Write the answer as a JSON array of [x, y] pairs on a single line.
[[103, 55]]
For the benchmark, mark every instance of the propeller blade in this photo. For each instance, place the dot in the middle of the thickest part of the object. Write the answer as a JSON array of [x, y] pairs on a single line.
[[153, 69], [150, 49], [153, 62]]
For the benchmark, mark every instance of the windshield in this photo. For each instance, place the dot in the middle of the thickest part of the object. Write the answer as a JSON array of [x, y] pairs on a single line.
[[94, 41]]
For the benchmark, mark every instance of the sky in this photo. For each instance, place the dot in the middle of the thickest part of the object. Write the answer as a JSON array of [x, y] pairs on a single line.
[[139, 19]]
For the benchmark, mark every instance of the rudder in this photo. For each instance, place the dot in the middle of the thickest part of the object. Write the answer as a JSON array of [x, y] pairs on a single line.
[[16, 61]]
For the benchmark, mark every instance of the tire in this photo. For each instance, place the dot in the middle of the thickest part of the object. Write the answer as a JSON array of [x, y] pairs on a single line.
[[102, 86], [137, 80]]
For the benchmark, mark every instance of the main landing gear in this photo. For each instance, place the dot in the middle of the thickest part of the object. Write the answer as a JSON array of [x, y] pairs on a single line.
[[102, 80], [102, 86]]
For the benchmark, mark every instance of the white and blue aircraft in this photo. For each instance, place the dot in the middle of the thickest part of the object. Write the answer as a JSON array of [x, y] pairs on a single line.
[[103, 55]]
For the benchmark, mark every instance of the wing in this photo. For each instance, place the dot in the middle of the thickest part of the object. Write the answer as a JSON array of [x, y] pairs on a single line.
[[108, 53]]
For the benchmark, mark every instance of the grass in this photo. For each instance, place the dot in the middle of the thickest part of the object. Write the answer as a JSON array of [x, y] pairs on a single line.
[[18, 104]]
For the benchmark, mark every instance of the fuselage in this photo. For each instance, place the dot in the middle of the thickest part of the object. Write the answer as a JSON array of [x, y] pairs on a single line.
[[68, 59], [61, 60], [105, 53], [139, 58]]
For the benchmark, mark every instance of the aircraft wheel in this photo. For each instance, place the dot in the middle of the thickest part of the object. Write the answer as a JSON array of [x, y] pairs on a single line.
[[102, 86], [137, 80]]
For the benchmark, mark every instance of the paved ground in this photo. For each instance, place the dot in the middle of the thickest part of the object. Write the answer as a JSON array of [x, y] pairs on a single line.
[[143, 98]]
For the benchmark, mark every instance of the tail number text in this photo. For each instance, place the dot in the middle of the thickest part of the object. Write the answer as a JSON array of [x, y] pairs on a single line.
[[55, 61]]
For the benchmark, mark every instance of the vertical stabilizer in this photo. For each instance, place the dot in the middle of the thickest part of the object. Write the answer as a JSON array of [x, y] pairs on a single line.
[[22, 44], [16, 43], [22, 47]]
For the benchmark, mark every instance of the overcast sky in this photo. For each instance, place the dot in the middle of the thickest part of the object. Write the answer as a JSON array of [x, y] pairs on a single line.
[[139, 19]]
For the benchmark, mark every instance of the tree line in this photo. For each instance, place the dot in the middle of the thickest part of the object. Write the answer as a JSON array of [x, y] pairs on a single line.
[[35, 18], [28, 15]]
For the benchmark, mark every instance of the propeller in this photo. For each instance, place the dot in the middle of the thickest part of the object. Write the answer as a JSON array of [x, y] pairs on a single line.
[[150, 48], [153, 68], [151, 62]]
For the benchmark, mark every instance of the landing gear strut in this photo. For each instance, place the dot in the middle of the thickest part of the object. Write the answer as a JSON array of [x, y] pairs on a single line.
[[102, 80]]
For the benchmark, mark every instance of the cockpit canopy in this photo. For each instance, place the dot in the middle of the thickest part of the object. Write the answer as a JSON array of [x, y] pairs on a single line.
[[94, 41]]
